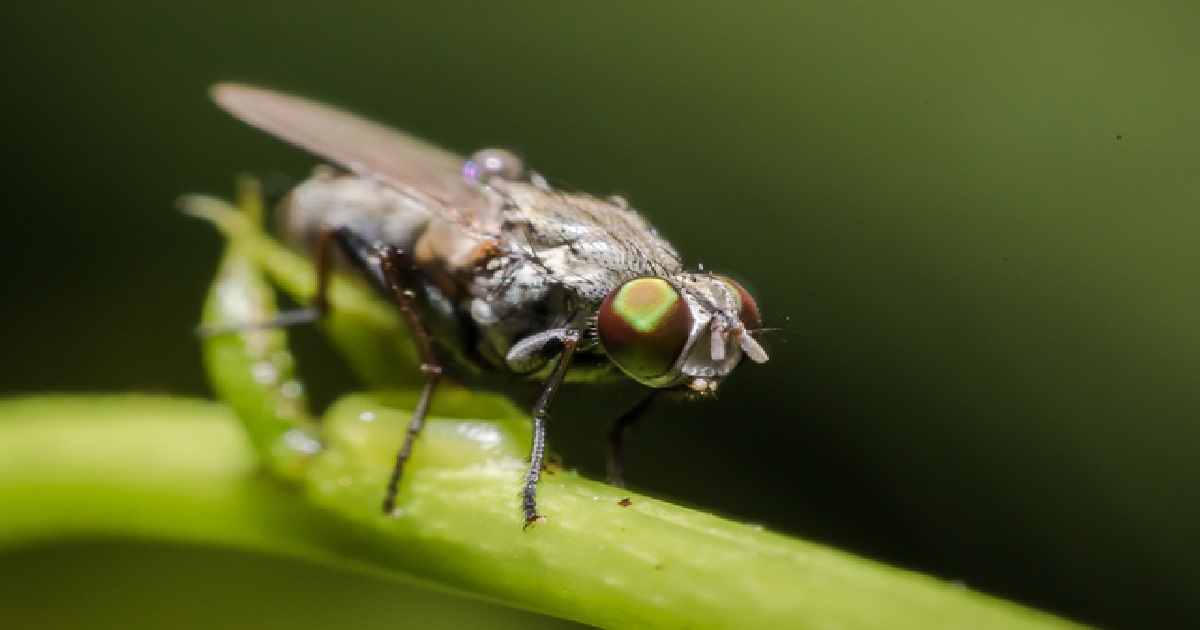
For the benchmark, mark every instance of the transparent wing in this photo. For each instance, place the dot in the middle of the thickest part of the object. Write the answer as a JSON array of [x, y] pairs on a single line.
[[429, 175]]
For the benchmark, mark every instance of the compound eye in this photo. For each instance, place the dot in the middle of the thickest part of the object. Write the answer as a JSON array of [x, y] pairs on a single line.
[[489, 163], [644, 326], [748, 310]]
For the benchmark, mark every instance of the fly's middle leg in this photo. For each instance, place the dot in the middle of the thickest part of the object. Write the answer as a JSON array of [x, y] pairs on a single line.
[[391, 260]]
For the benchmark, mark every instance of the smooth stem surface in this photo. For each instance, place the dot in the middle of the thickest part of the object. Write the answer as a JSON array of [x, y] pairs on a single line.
[[183, 470]]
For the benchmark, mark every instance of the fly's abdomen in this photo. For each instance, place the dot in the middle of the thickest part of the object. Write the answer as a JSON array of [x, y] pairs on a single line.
[[370, 210]]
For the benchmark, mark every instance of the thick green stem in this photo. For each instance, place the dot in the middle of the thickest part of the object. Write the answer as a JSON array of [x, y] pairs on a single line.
[[183, 470]]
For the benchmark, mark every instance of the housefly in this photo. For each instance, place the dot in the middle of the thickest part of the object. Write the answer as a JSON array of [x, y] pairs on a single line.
[[498, 276]]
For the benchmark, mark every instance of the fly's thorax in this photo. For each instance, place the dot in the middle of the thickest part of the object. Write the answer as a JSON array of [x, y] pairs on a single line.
[[576, 235], [687, 330], [371, 210]]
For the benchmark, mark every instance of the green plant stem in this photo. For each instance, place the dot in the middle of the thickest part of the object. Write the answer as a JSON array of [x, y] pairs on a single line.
[[184, 470]]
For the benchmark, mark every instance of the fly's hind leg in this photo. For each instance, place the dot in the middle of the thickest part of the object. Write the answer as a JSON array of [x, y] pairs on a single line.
[[366, 256], [330, 235]]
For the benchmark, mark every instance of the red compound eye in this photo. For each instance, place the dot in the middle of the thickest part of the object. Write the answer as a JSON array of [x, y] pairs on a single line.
[[748, 310], [644, 326]]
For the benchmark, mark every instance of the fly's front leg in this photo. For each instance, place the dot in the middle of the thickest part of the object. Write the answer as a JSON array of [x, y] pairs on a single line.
[[541, 410], [391, 260]]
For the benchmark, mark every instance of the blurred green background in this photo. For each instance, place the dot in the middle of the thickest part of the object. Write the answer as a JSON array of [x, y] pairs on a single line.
[[976, 228]]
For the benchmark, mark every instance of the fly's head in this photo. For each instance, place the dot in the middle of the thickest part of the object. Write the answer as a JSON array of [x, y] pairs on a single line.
[[688, 331]]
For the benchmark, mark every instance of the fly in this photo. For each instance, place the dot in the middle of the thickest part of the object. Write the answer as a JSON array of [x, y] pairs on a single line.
[[498, 276]]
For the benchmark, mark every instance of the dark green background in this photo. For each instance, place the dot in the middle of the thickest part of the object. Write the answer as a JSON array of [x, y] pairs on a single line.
[[977, 230]]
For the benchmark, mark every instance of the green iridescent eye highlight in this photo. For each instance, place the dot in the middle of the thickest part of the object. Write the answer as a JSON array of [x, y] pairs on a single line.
[[643, 302], [644, 326]]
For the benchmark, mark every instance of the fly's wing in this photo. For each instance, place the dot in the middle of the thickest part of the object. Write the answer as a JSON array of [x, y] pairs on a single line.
[[429, 175]]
